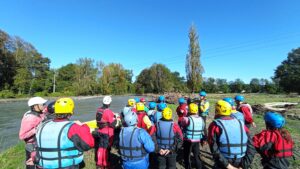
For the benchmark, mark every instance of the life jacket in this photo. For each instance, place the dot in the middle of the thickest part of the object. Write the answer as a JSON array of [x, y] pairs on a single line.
[[54, 148], [205, 113], [238, 115], [165, 134], [194, 131], [102, 117], [141, 123], [37, 115], [281, 147], [150, 114], [130, 147], [32, 113], [245, 105], [157, 116], [233, 138]]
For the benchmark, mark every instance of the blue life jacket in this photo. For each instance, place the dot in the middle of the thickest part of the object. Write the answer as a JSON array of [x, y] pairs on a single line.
[[238, 115], [194, 131], [233, 138], [54, 148], [157, 116], [165, 134], [130, 146]]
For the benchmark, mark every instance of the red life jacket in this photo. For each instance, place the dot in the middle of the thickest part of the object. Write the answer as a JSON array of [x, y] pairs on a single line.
[[281, 148], [141, 123]]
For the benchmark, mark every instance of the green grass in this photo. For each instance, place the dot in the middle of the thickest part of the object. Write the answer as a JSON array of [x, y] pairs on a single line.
[[13, 158]]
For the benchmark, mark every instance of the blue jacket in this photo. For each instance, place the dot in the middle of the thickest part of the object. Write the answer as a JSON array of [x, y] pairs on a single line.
[[238, 115], [141, 145]]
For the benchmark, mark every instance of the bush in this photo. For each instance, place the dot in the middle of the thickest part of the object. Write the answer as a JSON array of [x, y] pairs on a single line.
[[7, 94]]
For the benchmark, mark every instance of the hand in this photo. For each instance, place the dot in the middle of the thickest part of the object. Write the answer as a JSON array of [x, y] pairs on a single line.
[[253, 124], [203, 143], [162, 152], [78, 122], [167, 152], [231, 167]]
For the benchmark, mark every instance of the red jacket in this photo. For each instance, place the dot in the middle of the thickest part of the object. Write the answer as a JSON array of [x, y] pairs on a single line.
[[247, 114], [106, 123], [182, 111]]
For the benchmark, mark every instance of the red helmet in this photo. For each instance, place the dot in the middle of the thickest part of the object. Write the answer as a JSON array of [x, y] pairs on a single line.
[[142, 100]]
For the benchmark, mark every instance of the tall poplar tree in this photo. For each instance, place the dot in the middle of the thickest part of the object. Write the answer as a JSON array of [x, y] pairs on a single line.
[[193, 66]]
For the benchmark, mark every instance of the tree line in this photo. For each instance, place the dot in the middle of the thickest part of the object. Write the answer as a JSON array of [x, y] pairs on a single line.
[[26, 72]]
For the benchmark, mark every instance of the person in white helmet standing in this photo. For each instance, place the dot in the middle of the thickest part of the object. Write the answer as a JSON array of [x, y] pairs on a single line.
[[104, 134], [29, 124]]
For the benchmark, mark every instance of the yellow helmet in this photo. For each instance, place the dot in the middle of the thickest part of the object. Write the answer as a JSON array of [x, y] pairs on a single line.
[[193, 108], [140, 106], [223, 108], [131, 102], [64, 106], [167, 113]]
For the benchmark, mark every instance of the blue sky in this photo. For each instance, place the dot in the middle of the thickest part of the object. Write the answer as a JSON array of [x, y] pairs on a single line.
[[238, 38]]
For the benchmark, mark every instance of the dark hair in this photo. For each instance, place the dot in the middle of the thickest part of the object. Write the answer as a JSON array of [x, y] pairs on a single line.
[[63, 116], [286, 135]]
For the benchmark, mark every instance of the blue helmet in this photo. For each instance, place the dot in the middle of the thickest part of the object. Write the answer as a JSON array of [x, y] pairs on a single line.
[[152, 105], [137, 99], [275, 120], [161, 106], [181, 100], [229, 100], [239, 98], [202, 93], [131, 118], [161, 98]]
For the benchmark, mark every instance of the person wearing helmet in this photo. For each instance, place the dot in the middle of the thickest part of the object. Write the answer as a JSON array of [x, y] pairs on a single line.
[[143, 120], [30, 121], [229, 139], [137, 99], [234, 113], [143, 100], [135, 144], [49, 110], [104, 134], [169, 140], [161, 99], [203, 106], [246, 109], [274, 144], [182, 109], [61, 142], [152, 111], [194, 133], [158, 115]]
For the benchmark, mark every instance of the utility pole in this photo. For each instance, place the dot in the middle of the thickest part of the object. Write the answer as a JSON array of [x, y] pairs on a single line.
[[54, 81]]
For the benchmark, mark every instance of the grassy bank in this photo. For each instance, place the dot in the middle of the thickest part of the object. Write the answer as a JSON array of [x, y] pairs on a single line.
[[13, 158]]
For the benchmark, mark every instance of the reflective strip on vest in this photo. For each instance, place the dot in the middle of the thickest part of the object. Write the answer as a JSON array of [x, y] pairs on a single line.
[[233, 138], [131, 148], [238, 115], [165, 134], [55, 149], [194, 130]]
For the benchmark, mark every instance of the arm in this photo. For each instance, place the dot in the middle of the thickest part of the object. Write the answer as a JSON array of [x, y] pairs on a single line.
[[178, 136], [81, 137], [213, 135], [204, 108], [28, 126], [185, 122], [250, 153], [147, 121], [247, 114], [146, 140]]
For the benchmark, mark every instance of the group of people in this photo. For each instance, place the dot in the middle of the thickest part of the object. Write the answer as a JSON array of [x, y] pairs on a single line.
[[146, 134]]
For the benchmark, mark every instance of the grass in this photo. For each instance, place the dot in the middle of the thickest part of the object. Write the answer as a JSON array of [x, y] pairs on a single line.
[[14, 157]]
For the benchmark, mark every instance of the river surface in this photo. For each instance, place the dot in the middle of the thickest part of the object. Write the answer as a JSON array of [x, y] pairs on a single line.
[[11, 114]]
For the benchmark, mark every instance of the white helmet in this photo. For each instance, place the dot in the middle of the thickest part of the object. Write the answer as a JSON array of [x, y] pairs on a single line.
[[107, 100], [36, 100]]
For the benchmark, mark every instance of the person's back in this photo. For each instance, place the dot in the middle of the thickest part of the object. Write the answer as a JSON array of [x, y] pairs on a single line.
[[275, 144], [135, 144], [246, 109], [60, 142], [234, 113]]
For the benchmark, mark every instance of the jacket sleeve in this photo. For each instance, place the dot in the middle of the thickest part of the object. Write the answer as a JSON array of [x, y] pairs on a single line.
[[81, 137], [28, 126], [147, 121], [185, 122], [247, 114], [146, 140], [178, 136], [213, 134], [204, 107]]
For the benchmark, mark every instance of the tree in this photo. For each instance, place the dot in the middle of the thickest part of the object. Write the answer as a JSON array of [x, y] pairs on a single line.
[[222, 85], [237, 86], [66, 78], [193, 66], [255, 85], [209, 85], [288, 73]]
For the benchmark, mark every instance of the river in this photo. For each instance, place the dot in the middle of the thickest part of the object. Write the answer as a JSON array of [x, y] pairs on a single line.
[[11, 114]]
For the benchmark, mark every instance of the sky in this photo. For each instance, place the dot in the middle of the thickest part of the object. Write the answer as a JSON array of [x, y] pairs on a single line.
[[238, 38]]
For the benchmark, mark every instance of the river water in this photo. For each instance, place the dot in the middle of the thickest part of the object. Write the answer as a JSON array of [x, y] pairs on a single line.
[[11, 114]]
